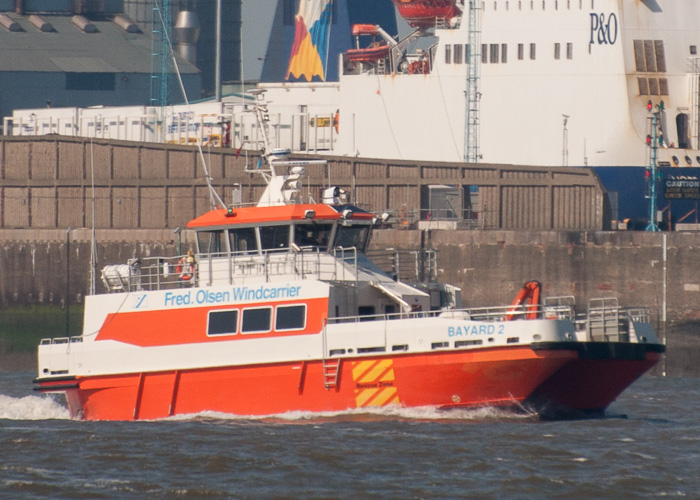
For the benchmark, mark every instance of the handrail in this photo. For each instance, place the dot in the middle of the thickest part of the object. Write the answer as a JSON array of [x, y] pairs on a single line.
[[162, 273], [485, 314]]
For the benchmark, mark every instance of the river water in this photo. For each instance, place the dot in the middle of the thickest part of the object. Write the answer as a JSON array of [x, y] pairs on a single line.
[[647, 446]]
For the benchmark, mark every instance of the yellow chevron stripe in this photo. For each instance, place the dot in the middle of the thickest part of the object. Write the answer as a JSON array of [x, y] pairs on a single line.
[[378, 369], [384, 396], [363, 396], [374, 372], [360, 367]]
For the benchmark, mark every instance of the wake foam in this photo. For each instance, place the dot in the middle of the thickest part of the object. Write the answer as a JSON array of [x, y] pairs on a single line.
[[31, 408], [424, 413]]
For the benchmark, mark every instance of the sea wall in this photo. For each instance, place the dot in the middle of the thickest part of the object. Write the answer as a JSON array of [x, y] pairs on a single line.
[[658, 270]]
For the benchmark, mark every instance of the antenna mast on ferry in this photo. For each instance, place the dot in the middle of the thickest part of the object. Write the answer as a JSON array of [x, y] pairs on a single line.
[[471, 118]]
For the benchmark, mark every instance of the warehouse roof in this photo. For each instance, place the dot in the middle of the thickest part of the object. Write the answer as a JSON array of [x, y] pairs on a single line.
[[66, 44]]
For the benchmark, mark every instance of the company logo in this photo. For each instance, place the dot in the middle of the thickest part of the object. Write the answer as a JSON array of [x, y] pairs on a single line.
[[310, 48], [603, 29]]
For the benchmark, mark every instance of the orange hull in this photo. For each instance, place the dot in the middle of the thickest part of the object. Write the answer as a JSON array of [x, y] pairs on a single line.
[[495, 377]]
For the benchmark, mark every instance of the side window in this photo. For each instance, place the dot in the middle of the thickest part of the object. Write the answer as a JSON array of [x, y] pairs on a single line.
[[223, 322], [256, 320], [312, 235], [211, 242], [274, 238], [243, 240], [290, 318]]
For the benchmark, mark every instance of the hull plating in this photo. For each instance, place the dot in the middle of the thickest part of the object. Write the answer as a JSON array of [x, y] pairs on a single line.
[[494, 377]]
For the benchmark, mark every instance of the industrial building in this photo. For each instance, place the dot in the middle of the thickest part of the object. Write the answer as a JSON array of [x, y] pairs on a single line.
[[65, 53]]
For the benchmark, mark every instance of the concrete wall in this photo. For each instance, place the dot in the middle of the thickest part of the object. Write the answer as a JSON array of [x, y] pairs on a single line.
[[47, 182], [490, 266]]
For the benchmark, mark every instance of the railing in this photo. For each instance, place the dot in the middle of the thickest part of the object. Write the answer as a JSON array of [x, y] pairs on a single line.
[[160, 273], [406, 265], [484, 314]]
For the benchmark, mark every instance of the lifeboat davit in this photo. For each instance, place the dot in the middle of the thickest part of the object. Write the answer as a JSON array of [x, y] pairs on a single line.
[[425, 13]]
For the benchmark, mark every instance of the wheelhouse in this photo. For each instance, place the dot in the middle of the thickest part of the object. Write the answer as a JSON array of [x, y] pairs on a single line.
[[223, 233]]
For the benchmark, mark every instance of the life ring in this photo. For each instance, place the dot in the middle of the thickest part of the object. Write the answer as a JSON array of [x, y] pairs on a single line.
[[185, 269]]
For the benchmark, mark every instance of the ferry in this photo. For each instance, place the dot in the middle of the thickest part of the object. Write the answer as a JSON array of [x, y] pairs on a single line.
[[280, 308]]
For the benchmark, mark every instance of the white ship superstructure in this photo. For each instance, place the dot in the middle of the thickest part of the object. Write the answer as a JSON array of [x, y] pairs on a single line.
[[560, 82]]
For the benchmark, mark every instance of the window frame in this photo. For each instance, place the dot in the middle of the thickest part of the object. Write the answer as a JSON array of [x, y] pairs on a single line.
[[221, 311], [255, 308], [290, 306]]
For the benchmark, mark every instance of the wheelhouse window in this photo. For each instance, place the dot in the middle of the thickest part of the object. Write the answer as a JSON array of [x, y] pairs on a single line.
[[312, 235], [211, 242], [274, 238], [243, 240], [256, 320], [290, 317], [223, 323], [352, 236]]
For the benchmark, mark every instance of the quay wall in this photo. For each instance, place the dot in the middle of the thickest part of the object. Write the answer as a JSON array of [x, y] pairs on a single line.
[[658, 270], [53, 182]]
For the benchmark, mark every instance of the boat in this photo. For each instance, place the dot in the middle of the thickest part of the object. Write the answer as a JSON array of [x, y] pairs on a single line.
[[376, 50], [425, 13], [279, 308]]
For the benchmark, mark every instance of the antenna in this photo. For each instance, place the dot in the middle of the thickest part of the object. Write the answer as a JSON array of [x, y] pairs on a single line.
[[216, 201]]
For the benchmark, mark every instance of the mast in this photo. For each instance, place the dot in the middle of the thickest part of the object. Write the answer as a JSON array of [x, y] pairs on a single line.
[[471, 119]]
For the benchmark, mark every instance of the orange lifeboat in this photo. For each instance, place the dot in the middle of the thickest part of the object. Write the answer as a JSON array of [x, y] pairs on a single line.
[[378, 48], [425, 13]]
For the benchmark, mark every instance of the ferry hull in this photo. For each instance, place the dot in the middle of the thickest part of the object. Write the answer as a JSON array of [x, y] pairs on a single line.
[[498, 377]]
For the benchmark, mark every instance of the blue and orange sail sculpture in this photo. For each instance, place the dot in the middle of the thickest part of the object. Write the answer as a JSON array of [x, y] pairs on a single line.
[[309, 55]]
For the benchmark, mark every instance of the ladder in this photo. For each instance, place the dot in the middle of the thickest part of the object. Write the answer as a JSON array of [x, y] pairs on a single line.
[[331, 373]]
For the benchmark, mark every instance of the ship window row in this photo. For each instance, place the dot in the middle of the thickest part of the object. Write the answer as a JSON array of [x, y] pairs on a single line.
[[495, 53], [281, 237], [543, 3], [256, 320]]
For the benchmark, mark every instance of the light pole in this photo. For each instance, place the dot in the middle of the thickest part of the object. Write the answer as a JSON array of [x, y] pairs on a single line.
[[68, 282]]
